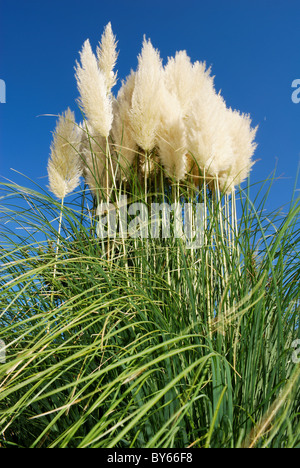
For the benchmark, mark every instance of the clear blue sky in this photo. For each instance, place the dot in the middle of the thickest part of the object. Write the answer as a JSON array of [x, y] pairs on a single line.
[[252, 46]]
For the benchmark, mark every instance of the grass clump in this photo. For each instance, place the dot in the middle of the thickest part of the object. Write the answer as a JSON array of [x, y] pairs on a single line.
[[143, 342]]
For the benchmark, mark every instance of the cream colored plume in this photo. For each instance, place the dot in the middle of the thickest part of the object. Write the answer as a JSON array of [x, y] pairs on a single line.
[[64, 165], [221, 139], [171, 137], [179, 79], [243, 145], [146, 98], [203, 81], [122, 132], [94, 99], [107, 56], [208, 137]]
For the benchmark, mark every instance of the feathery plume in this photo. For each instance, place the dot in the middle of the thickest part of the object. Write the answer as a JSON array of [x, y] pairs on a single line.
[[179, 79], [122, 132], [208, 134], [146, 97], [94, 99], [171, 137], [203, 81], [64, 165], [107, 56], [243, 145]]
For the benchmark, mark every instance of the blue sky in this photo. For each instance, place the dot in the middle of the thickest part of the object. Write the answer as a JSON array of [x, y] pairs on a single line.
[[252, 46]]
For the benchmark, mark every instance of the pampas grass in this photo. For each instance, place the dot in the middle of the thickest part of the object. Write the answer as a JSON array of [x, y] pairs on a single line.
[[64, 166], [122, 132], [107, 57], [94, 99], [168, 115], [127, 341], [171, 138], [145, 109]]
